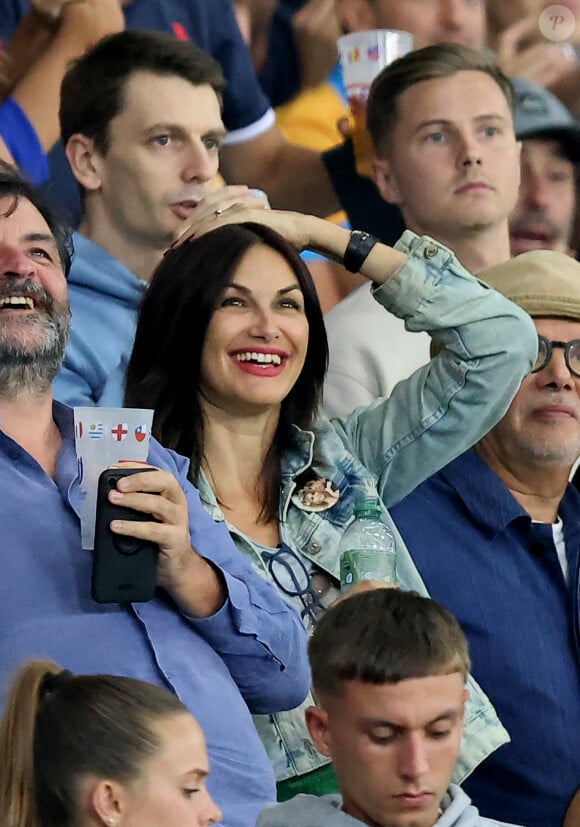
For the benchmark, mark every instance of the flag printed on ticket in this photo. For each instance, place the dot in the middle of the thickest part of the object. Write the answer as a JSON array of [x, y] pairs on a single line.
[[141, 432], [103, 437], [120, 431], [94, 430]]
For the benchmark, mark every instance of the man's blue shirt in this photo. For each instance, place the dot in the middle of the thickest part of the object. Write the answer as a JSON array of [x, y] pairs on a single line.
[[249, 656], [481, 556]]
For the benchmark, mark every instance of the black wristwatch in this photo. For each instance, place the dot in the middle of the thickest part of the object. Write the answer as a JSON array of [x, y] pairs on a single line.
[[357, 250]]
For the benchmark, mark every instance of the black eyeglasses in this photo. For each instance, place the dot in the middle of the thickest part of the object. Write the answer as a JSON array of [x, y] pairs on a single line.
[[289, 573], [571, 354]]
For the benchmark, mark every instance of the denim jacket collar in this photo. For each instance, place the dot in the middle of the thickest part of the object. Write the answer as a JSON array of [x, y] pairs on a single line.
[[297, 460]]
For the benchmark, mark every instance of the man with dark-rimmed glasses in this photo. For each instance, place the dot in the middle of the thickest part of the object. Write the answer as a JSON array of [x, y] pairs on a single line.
[[496, 538]]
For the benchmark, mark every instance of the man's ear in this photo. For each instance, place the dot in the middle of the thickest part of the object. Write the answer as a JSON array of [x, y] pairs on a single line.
[[385, 181], [317, 723], [83, 160], [465, 699], [106, 802], [355, 15]]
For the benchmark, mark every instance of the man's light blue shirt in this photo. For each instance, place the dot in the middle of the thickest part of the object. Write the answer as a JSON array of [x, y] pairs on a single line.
[[248, 657]]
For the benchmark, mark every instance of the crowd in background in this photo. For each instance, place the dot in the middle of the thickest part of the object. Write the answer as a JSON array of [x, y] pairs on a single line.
[[184, 228]]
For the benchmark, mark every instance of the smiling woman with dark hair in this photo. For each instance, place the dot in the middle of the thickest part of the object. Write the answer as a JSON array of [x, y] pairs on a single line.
[[156, 368], [231, 353]]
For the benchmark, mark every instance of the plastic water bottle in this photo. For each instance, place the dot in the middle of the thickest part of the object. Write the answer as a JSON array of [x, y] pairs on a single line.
[[367, 547]]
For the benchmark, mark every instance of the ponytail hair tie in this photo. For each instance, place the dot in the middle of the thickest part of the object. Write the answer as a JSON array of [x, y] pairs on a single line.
[[51, 682]]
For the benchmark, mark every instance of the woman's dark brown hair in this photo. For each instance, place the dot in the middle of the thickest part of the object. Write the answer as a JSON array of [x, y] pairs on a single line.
[[165, 368]]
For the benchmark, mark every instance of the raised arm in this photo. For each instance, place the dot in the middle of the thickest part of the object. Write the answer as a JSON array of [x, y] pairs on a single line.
[[304, 232], [487, 345]]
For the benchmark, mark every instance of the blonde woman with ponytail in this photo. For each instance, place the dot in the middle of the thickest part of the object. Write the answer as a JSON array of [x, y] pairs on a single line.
[[99, 751]]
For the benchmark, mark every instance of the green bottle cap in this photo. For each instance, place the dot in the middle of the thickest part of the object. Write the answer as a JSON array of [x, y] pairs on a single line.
[[367, 507]]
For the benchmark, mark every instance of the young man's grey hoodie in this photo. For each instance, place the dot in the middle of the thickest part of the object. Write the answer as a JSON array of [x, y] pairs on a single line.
[[325, 811]]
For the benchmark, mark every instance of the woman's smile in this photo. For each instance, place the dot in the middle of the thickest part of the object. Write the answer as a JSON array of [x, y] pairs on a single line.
[[258, 331], [260, 362]]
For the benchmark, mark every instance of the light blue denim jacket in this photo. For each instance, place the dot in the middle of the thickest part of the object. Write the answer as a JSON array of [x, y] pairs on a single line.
[[391, 446]]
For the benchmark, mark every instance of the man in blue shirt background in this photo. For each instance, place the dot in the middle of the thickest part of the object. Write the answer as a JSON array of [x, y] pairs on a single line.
[[143, 144], [496, 538], [255, 152]]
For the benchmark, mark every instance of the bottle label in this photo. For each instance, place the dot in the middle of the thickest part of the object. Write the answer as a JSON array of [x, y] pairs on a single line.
[[367, 564]]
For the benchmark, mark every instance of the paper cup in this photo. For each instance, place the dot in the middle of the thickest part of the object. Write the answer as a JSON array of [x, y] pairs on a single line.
[[362, 56], [103, 436]]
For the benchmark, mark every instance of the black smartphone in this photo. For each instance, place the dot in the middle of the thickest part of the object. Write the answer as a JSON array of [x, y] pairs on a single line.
[[124, 568]]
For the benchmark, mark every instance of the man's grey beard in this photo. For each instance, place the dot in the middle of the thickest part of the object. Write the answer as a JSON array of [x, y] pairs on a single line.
[[31, 370], [554, 452]]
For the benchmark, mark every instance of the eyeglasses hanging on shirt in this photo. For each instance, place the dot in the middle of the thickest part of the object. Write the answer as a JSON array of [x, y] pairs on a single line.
[[290, 574]]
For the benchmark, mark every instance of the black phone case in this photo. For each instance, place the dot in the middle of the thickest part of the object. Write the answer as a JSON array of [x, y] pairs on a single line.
[[124, 568]]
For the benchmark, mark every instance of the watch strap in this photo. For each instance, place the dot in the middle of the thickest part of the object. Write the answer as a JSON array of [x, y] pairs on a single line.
[[359, 246]]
